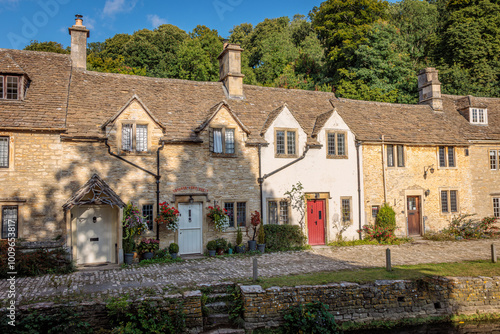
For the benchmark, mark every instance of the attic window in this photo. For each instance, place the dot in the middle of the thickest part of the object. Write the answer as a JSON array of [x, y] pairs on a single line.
[[9, 87], [478, 116]]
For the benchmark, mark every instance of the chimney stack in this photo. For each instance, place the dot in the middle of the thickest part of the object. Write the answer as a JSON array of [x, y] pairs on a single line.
[[230, 70], [429, 88], [79, 34]]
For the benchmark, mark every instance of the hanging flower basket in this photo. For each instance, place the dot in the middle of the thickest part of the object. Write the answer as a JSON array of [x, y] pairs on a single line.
[[219, 218], [169, 216]]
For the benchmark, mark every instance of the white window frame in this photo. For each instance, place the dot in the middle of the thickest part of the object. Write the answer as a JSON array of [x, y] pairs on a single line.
[[287, 148], [334, 154], [494, 159], [478, 115], [134, 145]]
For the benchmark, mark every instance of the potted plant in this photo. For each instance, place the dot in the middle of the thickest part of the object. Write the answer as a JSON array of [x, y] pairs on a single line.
[[255, 221], [221, 245], [173, 249], [133, 225], [229, 248], [261, 239], [169, 216], [218, 217], [240, 248], [147, 247], [211, 246]]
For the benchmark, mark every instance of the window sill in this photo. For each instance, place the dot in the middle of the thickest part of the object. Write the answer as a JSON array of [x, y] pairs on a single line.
[[132, 153], [223, 155], [286, 156], [447, 168], [337, 157]]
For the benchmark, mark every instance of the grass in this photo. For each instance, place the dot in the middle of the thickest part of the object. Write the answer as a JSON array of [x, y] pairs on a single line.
[[365, 275], [345, 243]]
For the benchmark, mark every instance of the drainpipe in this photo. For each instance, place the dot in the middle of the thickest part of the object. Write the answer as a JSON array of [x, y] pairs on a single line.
[[358, 144], [262, 178], [383, 170], [157, 176], [261, 181]]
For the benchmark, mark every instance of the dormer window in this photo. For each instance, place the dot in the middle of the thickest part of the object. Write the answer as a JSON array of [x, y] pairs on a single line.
[[222, 141], [285, 143], [9, 87], [134, 137], [478, 116]]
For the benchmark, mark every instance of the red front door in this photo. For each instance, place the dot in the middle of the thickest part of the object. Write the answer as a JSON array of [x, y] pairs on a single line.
[[316, 221]]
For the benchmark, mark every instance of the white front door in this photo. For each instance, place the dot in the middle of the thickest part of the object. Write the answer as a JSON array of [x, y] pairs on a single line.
[[190, 233], [93, 234]]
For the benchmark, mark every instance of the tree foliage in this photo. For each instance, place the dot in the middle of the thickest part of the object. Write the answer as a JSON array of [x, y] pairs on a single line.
[[47, 47]]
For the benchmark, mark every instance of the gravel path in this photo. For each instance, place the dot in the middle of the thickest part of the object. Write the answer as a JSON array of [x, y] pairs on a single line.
[[103, 283]]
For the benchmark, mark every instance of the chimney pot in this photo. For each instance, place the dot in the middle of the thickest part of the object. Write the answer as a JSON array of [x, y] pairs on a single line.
[[79, 20]]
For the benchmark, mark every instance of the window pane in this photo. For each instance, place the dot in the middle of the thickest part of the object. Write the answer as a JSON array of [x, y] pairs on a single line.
[[12, 88], [451, 157], [241, 213], [4, 152], [142, 138], [280, 142], [453, 201], [442, 156], [331, 144], [375, 209], [390, 156], [493, 159], [230, 212], [480, 115], [474, 115], [9, 219], [401, 156], [127, 137], [346, 210], [444, 201], [496, 207], [1, 87], [230, 141], [290, 137], [147, 213], [273, 212], [217, 140], [283, 212], [341, 143]]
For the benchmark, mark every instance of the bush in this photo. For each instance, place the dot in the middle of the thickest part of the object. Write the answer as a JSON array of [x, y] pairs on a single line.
[[262, 235], [38, 262], [311, 318], [239, 237], [64, 320], [465, 227], [386, 218], [381, 234], [162, 253], [283, 237], [212, 245], [173, 248]]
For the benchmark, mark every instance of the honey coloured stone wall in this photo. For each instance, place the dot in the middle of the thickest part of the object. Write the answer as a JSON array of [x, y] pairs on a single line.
[[401, 182], [485, 178], [31, 182], [382, 300]]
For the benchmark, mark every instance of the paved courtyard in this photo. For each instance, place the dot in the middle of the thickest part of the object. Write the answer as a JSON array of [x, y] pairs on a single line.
[[100, 284]]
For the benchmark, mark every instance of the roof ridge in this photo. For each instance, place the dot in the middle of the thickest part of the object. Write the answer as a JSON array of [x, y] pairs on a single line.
[[63, 55], [344, 100]]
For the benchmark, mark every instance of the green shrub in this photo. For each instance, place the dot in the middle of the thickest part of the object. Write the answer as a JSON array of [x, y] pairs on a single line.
[[261, 238], [386, 218], [283, 237], [38, 262], [239, 237], [64, 321], [381, 234], [311, 318], [212, 245], [464, 226], [173, 248], [162, 253]]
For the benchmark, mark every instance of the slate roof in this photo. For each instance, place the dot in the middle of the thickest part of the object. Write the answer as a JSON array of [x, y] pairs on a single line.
[[44, 106], [82, 101]]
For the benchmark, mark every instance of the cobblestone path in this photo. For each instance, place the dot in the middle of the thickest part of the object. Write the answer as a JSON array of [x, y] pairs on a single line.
[[99, 284]]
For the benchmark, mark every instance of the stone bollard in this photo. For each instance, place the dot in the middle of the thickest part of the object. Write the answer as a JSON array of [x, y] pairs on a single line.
[[388, 259], [255, 270], [493, 254]]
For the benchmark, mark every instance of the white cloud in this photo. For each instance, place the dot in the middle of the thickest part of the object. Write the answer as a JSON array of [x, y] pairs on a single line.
[[89, 22], [113, 7], [156, 20]]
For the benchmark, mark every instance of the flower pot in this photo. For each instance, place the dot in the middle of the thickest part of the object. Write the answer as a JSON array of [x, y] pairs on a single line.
[[220, 251], [252, 245], [211, 252], [261, 248], [230, 251], [173, 255], [128, 258], [147, 255], [240, 249]]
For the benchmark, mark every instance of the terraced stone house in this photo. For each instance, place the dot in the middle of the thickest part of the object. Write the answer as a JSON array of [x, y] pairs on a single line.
[[77, 145]]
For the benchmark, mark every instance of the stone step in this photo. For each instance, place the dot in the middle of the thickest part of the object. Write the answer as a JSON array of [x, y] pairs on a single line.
[[218, 297], [225, 331], [217, 320], [217, 307], [216, 288]]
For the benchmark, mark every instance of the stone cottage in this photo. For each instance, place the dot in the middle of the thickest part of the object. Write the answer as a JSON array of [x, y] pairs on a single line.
[[77, 145]]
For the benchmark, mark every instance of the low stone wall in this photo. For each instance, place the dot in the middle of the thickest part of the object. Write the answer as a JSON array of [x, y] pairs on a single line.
[[382, 300]]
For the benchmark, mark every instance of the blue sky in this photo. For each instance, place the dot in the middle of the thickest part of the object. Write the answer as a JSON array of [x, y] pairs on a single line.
[[48, 20]]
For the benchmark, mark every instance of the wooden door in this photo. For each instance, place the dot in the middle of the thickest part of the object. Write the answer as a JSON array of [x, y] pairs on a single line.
[[190, 233], [316, 222], [413, 209], [93, 234]]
